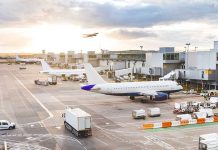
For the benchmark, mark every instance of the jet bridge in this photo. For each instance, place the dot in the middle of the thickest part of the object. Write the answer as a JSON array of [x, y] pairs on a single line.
[[173, 75]]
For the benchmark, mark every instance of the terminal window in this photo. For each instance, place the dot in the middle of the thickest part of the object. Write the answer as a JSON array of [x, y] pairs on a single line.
[[171, 56]]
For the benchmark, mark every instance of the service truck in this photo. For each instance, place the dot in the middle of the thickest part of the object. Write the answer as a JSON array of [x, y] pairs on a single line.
[[78, 122], [208, 141]]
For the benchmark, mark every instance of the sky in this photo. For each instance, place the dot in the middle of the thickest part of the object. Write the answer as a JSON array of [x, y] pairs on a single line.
[[57, 25]]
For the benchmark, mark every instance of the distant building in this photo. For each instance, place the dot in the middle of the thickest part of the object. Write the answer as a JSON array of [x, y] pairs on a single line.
[[92, 58], [71, 57], [50, 57], [216, 46], [166, 49], [62, 58]]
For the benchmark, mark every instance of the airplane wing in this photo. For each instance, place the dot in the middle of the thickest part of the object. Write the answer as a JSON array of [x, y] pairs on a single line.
[[148, 93]]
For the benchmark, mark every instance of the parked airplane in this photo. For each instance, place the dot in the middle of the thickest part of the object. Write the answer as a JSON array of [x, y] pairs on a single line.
[[27, 60], [89, 35], [60, 72], [157, 90]]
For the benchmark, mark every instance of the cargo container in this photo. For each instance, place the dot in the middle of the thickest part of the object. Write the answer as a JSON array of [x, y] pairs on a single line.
[[197, 115], [78, 122], [214, 100], [154, 112], [38, 82], [208, 111], [183, 117], [208, 141], [138, 114], [52, 80], [22, 66]]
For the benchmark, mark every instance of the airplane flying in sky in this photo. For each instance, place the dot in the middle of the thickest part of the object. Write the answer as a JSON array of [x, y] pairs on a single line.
[[60, 72], [157, 90], [89, 35], [27, 60]]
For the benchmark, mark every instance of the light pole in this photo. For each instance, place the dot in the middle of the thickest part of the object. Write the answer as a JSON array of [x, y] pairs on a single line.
[[196, 48], [141, 50], [187, 44]]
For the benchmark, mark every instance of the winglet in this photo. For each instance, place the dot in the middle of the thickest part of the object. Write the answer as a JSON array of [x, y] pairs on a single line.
[[92, 75]]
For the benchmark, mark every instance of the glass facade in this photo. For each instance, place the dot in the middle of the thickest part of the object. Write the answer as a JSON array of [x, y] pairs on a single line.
[[171, 56], [131, 56], [92, 56]]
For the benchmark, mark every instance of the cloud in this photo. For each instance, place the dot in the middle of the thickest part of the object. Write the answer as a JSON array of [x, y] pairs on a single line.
[[13, 40], [123, 34], [108, 14], [121, 19]]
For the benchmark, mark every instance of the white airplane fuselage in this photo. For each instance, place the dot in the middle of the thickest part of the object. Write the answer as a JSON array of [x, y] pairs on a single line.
[[134, 88], [27, 60], [157, 90], [66, 72]]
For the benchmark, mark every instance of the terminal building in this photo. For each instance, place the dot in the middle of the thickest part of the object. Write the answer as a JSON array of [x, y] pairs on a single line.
[[201, 69], [141, 62], [196, 69]]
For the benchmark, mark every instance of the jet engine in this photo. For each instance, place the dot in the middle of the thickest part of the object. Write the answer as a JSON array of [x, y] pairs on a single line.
[[160, 96]]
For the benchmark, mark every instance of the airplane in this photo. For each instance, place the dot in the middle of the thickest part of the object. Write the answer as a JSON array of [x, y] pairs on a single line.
[[89, 35], [60, 72], [156, 90], [27, 60]]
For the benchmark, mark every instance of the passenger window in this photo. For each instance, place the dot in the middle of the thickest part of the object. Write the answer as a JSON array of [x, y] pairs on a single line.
[[0, 123], [4, 123]]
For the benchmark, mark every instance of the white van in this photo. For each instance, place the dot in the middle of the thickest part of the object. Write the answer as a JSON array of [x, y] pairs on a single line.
[[4, 124], [154, 112], [137, 114]]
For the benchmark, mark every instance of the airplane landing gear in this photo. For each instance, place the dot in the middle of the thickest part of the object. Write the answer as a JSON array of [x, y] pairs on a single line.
[[132, 97]]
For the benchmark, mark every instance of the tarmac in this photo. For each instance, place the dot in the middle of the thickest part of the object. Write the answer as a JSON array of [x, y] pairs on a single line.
[[37, 111]]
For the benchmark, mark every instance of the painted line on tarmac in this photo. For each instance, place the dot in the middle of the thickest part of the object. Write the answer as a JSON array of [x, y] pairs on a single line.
[[159, 142], [101, 141], [100, 103], [34, 97]]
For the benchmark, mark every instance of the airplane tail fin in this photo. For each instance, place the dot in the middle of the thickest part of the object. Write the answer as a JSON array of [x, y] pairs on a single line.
[[92, 75], [45, 65], [17, 57]]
